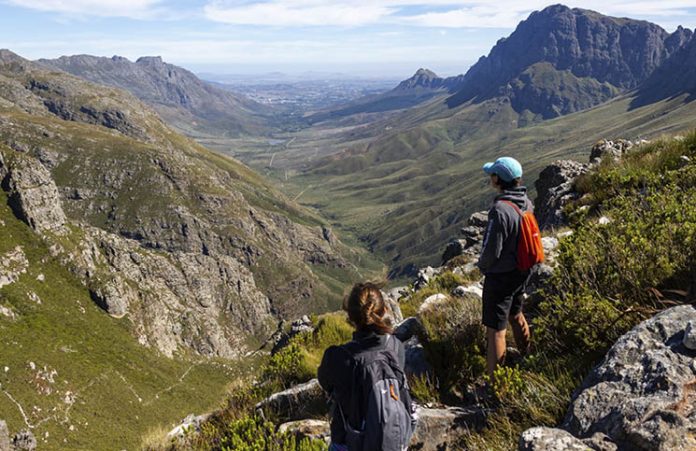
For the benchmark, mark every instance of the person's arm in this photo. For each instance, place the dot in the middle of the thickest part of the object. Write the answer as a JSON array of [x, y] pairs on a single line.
[[324, 373], [492, 242]]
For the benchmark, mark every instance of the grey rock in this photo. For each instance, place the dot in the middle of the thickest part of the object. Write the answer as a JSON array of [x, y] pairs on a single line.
[[550, 439], [416, 361], [613, 150], [13, 264], [307, 429], [431, 302], [641, 395], [24, 440], [191, 423], [690, 335], [408, 328], [33, 195], [296, 403], [474, 289], [299, 326], [600, 442], [4, 436], [439, 429], [479, 220], [555, 190], [454, 248], [424, 276]]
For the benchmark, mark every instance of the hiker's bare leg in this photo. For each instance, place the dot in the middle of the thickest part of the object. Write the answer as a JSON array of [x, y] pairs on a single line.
[[496, 349], [520, 329]]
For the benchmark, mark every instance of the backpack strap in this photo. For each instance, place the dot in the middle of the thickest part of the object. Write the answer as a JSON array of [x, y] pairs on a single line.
[[513, 205]]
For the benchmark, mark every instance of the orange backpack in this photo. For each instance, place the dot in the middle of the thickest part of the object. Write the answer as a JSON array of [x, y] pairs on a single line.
[[530, 251]]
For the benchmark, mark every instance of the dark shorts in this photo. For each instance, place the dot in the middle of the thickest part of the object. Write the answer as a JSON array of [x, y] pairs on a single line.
[[502, 298]]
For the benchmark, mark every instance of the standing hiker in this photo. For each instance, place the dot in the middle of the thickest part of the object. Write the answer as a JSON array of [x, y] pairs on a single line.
[[371, 405], [511, 246]]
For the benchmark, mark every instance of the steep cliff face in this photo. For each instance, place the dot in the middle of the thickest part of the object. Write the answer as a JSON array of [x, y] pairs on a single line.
[[677, 76], [196, 249], [177, 94], [562, 60]]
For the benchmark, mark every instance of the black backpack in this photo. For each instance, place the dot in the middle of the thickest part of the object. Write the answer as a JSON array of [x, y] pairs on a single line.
[[381, 415]]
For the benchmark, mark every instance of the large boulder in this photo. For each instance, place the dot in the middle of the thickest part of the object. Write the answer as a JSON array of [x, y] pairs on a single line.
[[642, 395], [441, 429], [296, 403], [555, 191]]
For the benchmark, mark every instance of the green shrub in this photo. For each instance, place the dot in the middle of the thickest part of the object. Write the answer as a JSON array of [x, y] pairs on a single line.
[[423, 389], [298, 362], [455, 342], [609, 276]]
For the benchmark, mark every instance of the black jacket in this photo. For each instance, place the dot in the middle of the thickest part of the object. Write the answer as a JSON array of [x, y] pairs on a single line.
[[499, 250], [336, 372]]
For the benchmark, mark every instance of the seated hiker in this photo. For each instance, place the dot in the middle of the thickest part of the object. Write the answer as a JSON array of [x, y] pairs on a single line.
[[371, 404], [511, 246]]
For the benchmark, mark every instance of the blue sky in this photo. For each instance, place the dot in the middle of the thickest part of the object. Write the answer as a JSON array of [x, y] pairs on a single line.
[[390, 38]]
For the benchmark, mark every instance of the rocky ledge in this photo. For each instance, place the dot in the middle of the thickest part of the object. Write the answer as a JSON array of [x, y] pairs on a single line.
[[641, 397]]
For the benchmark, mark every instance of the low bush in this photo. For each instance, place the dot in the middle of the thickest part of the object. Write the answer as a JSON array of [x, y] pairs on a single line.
[[455, 342], [611, 276], [298, 362]]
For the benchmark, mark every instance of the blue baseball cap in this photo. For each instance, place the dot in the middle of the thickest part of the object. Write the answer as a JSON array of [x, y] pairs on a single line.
[[507, 168]]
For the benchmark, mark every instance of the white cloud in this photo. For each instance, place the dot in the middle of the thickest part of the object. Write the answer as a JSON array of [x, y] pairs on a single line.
[[425, 13], [298, 13], [102, 8]]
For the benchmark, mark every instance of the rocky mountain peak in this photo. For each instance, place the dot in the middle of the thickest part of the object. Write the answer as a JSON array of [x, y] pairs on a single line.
[[151, 60], [588, 56], [6, 56], [427, 79]]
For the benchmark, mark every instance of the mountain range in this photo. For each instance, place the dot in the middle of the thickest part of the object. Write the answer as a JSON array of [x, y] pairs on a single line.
[[182, 99]]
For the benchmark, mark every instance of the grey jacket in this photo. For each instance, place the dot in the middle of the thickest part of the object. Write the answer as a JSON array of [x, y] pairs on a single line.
[[499, 250]]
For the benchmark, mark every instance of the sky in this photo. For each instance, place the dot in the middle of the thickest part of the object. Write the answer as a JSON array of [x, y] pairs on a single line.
[[371, 38]]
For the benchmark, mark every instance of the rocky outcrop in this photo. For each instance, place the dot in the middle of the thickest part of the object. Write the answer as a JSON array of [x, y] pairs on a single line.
[[642, 395], [555, 190], [307, 429], [473, 238], [282, 338], [32, 193], [300, 402], [191, 423], [218, 296], [439, 429], [612, 150]]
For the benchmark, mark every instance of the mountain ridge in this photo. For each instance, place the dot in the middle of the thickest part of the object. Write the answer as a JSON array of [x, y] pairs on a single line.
[[185, 101]]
